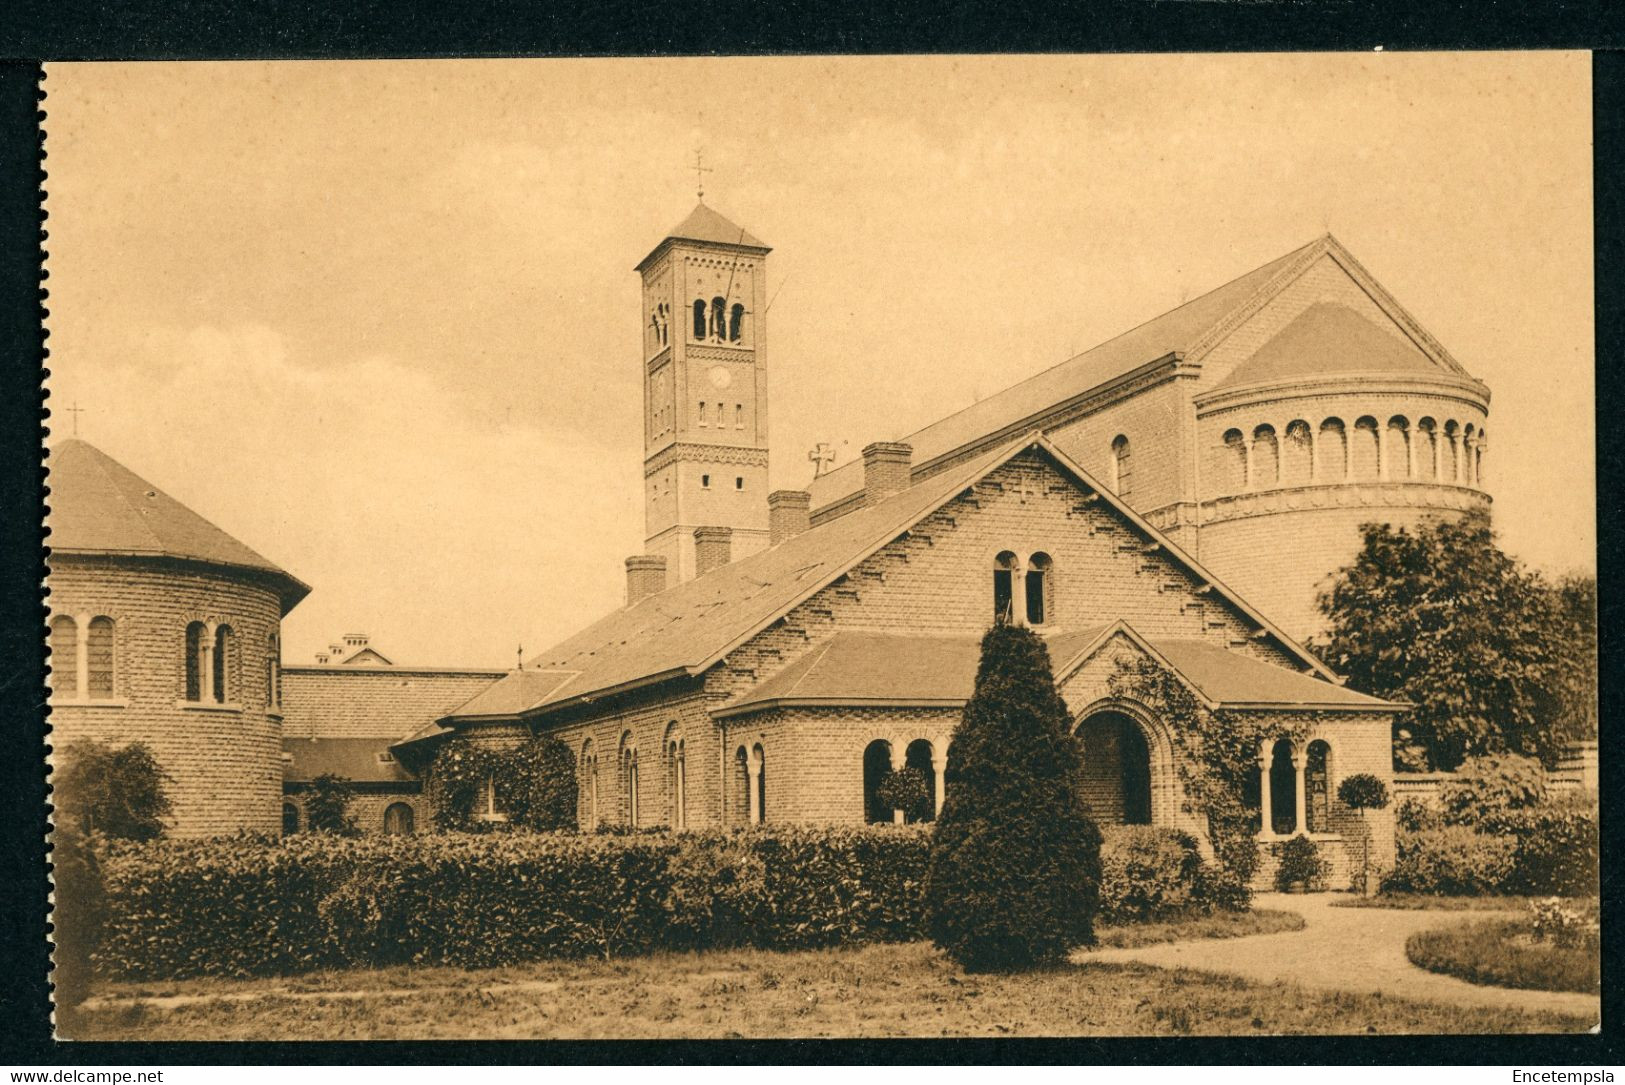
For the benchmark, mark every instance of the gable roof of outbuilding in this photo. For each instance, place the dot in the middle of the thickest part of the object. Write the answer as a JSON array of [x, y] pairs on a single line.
[[99, 506], [691, 626]]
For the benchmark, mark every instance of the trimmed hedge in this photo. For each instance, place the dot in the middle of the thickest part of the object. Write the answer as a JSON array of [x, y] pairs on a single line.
[[1453, 860], [258, 906], [1149, 875]]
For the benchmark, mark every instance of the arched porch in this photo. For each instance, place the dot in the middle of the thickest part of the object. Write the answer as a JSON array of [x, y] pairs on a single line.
[[1128, 769]]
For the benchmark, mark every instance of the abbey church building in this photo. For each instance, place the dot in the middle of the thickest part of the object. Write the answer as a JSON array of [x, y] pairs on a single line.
[[1174, 498]]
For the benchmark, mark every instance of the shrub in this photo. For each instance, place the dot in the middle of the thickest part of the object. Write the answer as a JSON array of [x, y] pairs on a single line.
[[907, 790], [115, 791], [78, 916], [1150, 874], [1015, 859], [1300, 864], [262, 906], [1412, 815], [1556, 849], [327, 807], [543, 785], [1491, 785], [1573, 925], [1452, 860], [1499, 952]]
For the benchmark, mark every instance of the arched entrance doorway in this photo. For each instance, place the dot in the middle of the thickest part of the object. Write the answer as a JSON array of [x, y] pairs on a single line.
[[1116, 768]]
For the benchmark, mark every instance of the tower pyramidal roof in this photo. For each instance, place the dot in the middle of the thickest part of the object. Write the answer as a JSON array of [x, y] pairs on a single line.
[[708, 227], [99, 506]]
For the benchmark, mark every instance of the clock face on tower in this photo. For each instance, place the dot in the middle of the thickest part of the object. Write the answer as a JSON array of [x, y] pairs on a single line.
[[720, 377]]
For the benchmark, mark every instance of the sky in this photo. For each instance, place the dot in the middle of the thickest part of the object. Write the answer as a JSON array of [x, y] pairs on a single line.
[[379, 320]]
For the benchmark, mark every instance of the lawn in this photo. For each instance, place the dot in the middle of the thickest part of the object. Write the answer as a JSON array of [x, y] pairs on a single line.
[[872, 991], [1429, 902], [1504, 953], [1217, 925]]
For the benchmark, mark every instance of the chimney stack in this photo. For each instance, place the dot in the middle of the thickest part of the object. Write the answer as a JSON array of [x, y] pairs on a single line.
[[887, 469], [645, 575], [788, 514], [713, 546]]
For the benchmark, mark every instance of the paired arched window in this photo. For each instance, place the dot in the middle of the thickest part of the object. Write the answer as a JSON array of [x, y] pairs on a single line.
[[1023, 593], [629, 780], [82, 658], [677, 778], [399, 819], [1122, 468], [589, 786]]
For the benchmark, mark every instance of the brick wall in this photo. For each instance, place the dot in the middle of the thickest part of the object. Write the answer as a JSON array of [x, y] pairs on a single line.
[[225, 762], [373, 702], [367, 808]]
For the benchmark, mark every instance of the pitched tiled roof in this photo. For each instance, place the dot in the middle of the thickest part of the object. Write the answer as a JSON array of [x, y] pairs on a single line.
[[1173, 332], [1328, 339], [99, 506], [363, 702], [689, 626], [355, 759], [862, 668], [704, 224], [1237, 681]]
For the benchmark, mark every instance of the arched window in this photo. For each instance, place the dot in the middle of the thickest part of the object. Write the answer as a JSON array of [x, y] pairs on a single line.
[[1283, 790], [99, 659], [1038, 589], [1296, 455], [64, 657], [273, 671], [1396, 454], [1427, 449], [1450, 454], [1334, 452], [699, 318], [1364, 451], [759, 767], [1233, 477], [703, 415], [1004, 588], [677, 773], [740, 799], [1469, 446], [739, 416], [589, 786], [290, 819], [876, 766], [918, 756], [1122, 468], [1478, 457], [719, 319], [1317, 787], [196, 660], [1266, 459], [225, 651], [399, 819], [493, 803], [736, 322]]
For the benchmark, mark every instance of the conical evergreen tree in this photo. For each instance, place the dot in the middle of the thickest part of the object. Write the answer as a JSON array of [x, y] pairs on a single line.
[[1015, 860]]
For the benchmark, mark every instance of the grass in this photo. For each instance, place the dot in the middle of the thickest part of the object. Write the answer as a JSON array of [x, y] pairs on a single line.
[[1427, 901], [1504, 953], [1217, 925], [872, 991]]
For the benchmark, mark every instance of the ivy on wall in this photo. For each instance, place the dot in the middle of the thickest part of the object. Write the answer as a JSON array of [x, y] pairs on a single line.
[[534, 785], [1216, 755]]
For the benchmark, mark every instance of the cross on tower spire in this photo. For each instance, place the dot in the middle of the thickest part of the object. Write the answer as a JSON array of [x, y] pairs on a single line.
[[76, 411], [700, 170]]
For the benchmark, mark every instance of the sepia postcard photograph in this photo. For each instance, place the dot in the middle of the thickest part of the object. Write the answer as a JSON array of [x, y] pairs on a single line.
[[841, 547]]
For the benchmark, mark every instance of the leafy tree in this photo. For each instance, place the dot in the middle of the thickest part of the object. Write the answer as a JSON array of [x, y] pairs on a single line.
[[1015, 860], [115, 791], [1441, 618], [1484, 787], [907, 790], [1362, 792], [1576, 604], [327, 810], [78, 917]]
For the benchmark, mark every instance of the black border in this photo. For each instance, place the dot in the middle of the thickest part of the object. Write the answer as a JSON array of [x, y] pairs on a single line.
[[194, 29]]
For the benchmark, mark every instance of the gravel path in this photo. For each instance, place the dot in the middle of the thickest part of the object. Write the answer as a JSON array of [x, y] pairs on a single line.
[[1345, 949]]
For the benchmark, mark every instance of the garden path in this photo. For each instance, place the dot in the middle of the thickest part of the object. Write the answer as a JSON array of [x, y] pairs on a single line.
[[1345, 949]]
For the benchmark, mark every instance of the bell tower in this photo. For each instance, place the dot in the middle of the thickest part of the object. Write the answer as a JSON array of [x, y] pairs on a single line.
[[704, 390]]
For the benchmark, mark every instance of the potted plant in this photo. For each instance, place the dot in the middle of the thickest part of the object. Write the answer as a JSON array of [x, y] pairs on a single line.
[[1362, 792]]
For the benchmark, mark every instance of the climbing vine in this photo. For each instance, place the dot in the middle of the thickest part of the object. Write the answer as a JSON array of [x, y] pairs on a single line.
[[534, 784], [1217, 759]]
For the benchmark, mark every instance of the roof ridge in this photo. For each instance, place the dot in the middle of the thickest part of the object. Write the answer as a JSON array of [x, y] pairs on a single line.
[[817, 655]]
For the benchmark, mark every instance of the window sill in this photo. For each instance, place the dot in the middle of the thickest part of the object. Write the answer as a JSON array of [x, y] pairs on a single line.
[[102, 702], [494, 817], [208, 706]]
